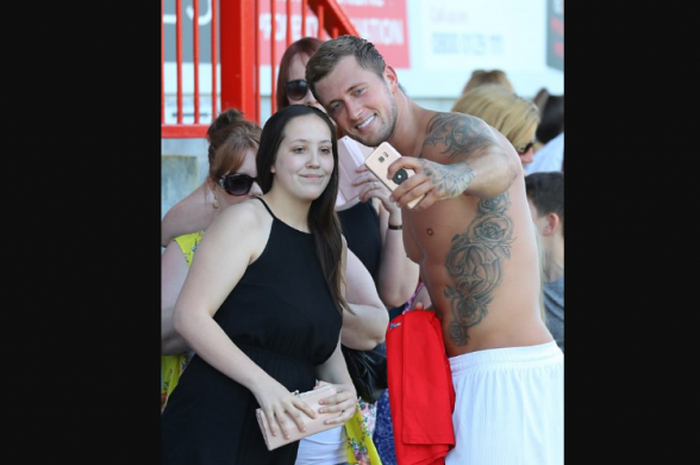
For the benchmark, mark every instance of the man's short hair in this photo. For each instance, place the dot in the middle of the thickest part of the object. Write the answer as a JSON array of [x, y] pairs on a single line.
[[546, 191], [324, 61]]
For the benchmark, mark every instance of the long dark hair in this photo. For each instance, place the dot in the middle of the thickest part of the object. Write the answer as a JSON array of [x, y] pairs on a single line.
[[323, 221]]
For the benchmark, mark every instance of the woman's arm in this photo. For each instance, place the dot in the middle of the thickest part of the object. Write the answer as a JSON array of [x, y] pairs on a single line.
[[335, 371], [173, 271], [367, 327], [190, 214], [398, 275], [216, 269]]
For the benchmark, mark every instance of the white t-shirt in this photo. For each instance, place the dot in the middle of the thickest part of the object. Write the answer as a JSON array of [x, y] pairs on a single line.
[[324, 448], [549, 157]]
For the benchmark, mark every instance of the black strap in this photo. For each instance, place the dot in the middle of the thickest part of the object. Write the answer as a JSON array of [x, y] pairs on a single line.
[[268, 208]]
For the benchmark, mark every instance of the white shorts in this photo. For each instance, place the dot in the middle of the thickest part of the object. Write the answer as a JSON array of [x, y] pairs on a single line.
[[510, 406]]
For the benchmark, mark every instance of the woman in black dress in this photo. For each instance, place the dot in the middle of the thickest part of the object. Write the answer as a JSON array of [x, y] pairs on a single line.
[[261, 306]]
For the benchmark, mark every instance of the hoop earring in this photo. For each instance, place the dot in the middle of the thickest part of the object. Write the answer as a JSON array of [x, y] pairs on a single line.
[[215, 203]]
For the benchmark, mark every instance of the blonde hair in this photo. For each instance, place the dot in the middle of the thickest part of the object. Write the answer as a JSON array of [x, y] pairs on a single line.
[[480, 77], [513, 116]]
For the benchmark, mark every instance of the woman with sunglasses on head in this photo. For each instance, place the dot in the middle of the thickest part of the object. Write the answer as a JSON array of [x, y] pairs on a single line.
[[372, 228], [264, 312], [233, 144]]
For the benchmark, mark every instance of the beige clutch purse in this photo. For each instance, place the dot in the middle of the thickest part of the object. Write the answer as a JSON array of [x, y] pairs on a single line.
[[313, 426]]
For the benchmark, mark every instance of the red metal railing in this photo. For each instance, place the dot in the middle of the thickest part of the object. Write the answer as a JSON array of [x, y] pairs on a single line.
[[240, 52]]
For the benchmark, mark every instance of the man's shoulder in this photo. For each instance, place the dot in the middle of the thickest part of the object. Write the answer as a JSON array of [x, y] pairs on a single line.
[[440, 119], [450, 137]]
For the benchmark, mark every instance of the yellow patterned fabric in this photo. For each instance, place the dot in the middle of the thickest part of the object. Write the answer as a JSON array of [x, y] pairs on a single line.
[[172, 366], [358, 441]]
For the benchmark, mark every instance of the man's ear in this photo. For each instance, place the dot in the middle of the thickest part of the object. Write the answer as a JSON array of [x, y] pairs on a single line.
[[553, 223], [392, 79]]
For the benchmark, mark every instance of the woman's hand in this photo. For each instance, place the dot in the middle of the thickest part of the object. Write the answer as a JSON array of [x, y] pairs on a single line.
[[343, 403], [372, 188], [283, 407]]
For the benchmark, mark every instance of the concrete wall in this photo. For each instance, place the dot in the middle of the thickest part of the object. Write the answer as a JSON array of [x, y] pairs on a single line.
[[179, 175]]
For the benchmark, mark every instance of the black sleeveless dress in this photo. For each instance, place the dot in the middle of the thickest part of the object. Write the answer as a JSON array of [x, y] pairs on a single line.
[[360, 225], [281, 314]]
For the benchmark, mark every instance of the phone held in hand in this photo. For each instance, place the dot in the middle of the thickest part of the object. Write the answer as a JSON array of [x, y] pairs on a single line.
[[378, 163]]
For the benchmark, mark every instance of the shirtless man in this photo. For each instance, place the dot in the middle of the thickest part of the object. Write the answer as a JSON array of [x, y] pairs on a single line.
[[474, 240]]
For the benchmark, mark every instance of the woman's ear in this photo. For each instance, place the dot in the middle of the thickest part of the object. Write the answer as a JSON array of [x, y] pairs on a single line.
[[210, 185]]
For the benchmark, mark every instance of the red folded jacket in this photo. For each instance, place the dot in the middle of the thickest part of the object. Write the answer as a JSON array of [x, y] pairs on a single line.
[[421, 395]]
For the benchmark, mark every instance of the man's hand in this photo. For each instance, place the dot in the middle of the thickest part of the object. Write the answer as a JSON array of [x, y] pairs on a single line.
[[434, 180]]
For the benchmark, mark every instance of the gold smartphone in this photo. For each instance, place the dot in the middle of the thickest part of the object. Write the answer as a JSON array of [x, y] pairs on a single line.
[[378, 162]]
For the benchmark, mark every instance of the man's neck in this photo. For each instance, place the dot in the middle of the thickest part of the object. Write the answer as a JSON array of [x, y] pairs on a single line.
[[554, 259], [410, 127]]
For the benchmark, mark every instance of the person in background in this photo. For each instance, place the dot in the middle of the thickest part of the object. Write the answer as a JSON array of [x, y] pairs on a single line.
[[545, 194], [549, 149], [480, 77], [233, 143], [513, 116]]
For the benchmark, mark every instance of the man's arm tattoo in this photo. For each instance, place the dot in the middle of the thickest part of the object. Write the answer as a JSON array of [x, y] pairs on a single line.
[[449, 180], [474, 263], [457, 135]]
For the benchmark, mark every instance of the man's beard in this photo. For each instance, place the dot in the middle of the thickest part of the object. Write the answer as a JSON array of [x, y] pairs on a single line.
[[373, 140]]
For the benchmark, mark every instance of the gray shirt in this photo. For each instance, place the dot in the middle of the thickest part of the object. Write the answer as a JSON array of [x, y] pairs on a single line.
[[554, 309]]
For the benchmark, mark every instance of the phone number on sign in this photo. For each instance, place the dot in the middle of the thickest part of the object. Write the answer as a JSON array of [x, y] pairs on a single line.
[[467, 44]]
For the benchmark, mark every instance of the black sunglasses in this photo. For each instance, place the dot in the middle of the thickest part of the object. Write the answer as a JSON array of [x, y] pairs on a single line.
[[525, 148], [296, 90], [236, 184]]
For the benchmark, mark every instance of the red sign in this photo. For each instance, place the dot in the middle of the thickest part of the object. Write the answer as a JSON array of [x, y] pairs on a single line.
[[382, 22]]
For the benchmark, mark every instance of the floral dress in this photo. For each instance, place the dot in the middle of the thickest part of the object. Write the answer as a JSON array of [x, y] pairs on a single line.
[[358, 436], [172, 366]]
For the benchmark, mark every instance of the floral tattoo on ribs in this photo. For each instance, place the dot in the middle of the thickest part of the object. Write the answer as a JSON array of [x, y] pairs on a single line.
[[474, 264]]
